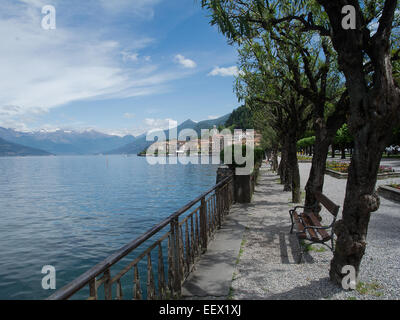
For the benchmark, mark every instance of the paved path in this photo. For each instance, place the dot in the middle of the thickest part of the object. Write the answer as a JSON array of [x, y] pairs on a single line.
[[267, 268], [213, 275]]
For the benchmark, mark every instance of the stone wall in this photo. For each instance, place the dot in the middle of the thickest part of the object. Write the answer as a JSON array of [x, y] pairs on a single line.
[[243, 185]]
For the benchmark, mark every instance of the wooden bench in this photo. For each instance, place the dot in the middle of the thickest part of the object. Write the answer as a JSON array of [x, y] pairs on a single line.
[[309, 227]]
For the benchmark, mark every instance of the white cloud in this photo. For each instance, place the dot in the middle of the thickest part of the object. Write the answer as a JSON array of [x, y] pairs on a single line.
[[43, 69], [224, 72], [187, 63], [156, 124], [128, 115], [127, 56], [212, 117]]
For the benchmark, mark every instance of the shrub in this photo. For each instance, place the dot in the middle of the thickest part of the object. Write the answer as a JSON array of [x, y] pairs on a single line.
[[306, 142], [258, 155]]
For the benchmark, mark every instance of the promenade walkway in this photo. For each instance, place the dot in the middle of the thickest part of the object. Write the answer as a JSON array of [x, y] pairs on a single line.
[[212, 277], [264, 265]]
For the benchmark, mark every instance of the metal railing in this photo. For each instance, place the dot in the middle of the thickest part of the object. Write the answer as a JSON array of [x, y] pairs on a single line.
[[175, 251]]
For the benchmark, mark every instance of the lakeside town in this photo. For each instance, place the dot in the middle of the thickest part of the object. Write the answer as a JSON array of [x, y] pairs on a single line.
[[212, 145]]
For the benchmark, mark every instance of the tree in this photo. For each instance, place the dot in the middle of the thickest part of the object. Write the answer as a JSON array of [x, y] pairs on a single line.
[[365, 59], [306, 144], [343, 139], [316, 79], [395, 140], [286, 111]]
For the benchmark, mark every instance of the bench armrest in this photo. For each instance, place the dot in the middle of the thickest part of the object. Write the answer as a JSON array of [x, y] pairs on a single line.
[[315, 227], [304, 207], [321, 228]]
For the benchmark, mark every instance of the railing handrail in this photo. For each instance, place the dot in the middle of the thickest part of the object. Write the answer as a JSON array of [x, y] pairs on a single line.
[[68, 290]]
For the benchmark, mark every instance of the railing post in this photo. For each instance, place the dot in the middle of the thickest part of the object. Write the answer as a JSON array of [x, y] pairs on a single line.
[[107, 285], [93, 289], [177, 281], [226, 198], [232, 190], [203, 224], [223, 202], [219, 211], [229, 195]]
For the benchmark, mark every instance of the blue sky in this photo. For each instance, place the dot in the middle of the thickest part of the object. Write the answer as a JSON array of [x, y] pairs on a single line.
[[120, 66]]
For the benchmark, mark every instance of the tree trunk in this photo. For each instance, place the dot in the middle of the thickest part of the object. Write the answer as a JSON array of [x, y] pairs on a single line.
[[361, 199], [281, 169], [294, 169], [287, 178], [285, 173], [275, 159], [343, 153], [373, 115], [325, 132], [333, 151], [317, 173], [283, 166]]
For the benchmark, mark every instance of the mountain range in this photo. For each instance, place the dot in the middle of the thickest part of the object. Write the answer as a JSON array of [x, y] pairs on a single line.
[[63, 142], [8, 149]]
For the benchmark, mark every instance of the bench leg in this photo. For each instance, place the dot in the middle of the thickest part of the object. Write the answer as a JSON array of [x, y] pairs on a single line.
[[291, 219], [300, 259]]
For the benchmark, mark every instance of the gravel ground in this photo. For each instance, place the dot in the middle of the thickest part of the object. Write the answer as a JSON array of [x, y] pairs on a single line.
[[267, 267]]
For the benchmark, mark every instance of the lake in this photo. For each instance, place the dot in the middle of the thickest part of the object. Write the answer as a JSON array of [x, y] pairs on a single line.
[[71, 212]]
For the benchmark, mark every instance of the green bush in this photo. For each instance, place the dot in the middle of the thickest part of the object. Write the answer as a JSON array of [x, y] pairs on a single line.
[[258, 155], [306, 142]]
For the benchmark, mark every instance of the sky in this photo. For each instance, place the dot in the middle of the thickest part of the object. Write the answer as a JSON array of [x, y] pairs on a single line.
[[119, 67]]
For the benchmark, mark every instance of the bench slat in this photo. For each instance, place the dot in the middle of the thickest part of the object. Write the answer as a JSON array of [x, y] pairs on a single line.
[[308, 222], [327, 203], [308, 219], [325, 236], [300, 227]]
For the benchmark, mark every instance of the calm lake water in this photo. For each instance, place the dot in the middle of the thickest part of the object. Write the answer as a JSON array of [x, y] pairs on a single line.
[[72, 212]]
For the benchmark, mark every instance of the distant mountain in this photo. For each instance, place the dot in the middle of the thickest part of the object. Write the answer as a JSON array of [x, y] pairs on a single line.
[[64, 142], [141, 144], [209, 124], [9, 149]]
